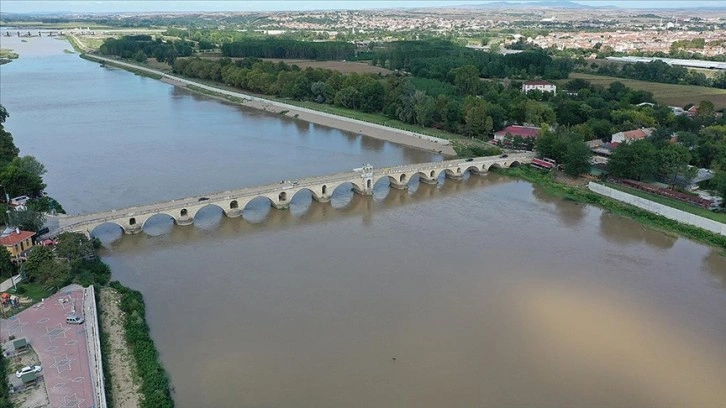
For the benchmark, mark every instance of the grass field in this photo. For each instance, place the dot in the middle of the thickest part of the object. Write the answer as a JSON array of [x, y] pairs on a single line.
[[679, 205], [667, 94]]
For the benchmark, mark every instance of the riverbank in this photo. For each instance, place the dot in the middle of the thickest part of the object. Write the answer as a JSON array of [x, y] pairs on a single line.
[[579, 193], [373, 130]]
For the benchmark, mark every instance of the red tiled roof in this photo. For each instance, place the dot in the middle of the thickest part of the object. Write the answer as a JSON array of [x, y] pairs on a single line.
[[635, 134], [538, 83], [514, 130], [15, 238]]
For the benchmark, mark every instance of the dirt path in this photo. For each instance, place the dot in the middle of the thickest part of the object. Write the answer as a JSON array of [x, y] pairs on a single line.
[[124, 386]]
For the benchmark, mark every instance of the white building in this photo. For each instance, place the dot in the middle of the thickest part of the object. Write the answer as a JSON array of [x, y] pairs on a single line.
[[544, 86]]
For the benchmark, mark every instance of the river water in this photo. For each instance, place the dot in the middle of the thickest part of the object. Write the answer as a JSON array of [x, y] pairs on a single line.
[[480, 293]]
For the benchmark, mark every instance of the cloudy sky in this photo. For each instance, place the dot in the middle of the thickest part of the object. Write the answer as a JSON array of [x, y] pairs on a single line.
[[100, 6]]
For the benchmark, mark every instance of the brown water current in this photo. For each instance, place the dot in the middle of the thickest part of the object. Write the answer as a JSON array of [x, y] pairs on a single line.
[[485, 292]]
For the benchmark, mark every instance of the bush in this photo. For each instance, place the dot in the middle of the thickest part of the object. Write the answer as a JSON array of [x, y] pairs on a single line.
[[154, 380]]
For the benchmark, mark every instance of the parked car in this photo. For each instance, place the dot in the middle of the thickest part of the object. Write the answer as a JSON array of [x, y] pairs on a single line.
[[504, 156], [28, 369], [203, 198], [73, 319], [469, 159]]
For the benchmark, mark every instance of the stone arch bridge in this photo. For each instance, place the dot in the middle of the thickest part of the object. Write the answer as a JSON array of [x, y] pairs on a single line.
[[232, 202]]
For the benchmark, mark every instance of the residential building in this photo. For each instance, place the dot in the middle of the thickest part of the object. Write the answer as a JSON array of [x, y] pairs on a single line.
[[631, 135], [516, 130], [17, 242], [544, 86]]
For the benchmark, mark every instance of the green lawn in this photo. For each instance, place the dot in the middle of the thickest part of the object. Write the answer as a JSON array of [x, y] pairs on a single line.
[[719, 217], [668, 94]]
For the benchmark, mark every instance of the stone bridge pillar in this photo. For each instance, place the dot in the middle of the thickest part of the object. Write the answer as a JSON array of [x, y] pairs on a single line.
[[132, 225], [322, 193], [397, 185], [364, 186]]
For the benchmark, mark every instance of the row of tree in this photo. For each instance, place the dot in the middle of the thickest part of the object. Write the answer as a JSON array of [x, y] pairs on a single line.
[[463, 103], [436, 58], [658, 71], [283, 48], [141, 47]]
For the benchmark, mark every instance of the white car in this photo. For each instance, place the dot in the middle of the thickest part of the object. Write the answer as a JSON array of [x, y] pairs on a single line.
[[27, 369]]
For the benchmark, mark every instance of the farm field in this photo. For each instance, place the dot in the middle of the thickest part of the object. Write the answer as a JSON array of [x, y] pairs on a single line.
[[667, 94]]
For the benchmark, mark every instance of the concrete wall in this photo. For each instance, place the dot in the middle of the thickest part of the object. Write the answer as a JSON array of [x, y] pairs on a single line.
[[94, 347], [660, 209]]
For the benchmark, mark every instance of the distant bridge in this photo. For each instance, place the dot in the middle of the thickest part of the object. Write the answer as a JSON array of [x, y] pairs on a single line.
[[232, 202]]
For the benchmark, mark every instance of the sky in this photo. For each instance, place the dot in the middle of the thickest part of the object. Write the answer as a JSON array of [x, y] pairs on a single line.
[[103, 6]]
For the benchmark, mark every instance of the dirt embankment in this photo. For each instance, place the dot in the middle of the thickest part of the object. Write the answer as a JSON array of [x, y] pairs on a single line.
[[124, 386]]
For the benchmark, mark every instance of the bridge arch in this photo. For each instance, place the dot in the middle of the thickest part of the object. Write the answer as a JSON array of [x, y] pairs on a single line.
[[471, 170], [494, 166], [257, 209], [158, 224], [515, 164], [106, 228]]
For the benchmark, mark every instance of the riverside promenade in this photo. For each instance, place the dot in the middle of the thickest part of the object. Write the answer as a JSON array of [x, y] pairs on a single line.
[[69, 354]]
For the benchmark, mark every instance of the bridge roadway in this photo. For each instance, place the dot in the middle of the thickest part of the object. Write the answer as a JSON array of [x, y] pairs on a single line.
[[233, 202]]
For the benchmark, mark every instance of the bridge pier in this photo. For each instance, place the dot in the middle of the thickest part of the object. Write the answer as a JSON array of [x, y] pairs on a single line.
[[428, 180], [399, 186], [322, 199], [454, 176], [363, 191], [233, 213], [184, 220], [281, 205]]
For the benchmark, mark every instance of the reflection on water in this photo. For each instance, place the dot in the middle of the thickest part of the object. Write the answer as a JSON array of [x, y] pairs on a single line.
[[627, 232]]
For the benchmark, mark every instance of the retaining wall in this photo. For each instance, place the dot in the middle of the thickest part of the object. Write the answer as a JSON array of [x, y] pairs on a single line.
[[660, 209], [94, 347]]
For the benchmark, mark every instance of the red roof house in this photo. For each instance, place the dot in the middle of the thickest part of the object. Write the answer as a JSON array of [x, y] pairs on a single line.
[[515, 130]]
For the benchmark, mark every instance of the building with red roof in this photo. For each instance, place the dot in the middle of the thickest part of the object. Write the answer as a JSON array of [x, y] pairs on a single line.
[[544, 86], [516, 130], [17, 242], [631, 135]]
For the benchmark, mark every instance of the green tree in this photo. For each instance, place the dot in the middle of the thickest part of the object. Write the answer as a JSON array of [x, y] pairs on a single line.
[[466, 79], [140, 56], [372, 96], [637, 160], [8, 150], [74, 247], [425, 108], [30, 165], [7, 267], [577, 158], [552, 145], [27, 220], [42, 267], [673, 160]]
